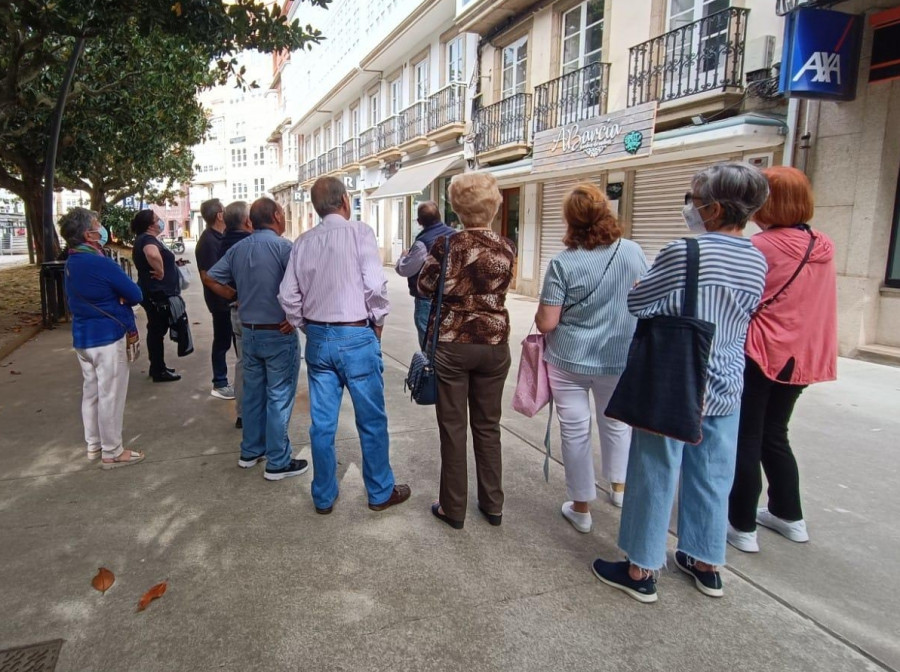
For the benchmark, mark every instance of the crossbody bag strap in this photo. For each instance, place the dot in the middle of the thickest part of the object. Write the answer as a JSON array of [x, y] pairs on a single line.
[[97, 308], [768, 302], [602, 275], [692, 278], [439, 301]]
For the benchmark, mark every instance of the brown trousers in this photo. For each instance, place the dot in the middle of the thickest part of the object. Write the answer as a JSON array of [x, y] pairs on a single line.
[[470, 380]]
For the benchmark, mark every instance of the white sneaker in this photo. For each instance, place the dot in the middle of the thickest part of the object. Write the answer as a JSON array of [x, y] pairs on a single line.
[[795, 531], [616, 498], [226, 392], [743, 541], [580, 521]]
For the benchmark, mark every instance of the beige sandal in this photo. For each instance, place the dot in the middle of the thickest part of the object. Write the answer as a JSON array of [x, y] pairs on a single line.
[[134, 456]]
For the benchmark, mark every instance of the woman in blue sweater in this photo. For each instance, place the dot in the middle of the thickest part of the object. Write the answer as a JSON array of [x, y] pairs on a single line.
[[100, 297]]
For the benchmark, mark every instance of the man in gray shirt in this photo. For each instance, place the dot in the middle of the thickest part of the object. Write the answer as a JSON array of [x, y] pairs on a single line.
[[271, 347]]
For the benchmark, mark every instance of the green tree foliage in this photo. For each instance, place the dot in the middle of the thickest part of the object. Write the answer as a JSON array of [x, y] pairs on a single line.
[[187, 39], [117, 219]]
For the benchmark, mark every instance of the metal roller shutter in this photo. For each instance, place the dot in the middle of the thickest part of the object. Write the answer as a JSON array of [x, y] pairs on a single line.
[[553, 224], [658, 200]]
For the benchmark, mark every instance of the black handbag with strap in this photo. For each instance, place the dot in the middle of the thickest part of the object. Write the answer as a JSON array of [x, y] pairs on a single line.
[[664, 383], [421, 380]]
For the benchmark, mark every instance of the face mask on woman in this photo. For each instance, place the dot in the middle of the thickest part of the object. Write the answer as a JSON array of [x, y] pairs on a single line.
[[104, 236], [693, 219]]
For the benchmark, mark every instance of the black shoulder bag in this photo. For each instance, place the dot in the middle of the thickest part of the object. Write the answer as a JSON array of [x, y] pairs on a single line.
[[664, 382], [421, 380]]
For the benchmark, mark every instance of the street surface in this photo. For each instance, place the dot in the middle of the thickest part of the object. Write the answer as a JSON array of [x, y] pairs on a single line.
[[258, 581]]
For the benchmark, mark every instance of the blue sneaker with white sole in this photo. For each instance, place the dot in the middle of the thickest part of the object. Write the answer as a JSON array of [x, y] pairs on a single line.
[[616, 574], [707, 582]]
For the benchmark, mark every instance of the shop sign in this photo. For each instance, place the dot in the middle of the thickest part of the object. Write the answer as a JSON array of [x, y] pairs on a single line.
[[350, 182], [821, 54], [621, 135]]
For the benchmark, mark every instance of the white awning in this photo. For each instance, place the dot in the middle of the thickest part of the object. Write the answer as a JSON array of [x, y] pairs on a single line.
[[413, 179]]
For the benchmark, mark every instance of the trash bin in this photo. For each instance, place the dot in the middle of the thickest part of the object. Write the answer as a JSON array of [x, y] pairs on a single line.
[[54, 307]]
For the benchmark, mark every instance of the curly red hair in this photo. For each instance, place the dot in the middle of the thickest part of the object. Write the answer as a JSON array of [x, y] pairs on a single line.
[[591, 223]]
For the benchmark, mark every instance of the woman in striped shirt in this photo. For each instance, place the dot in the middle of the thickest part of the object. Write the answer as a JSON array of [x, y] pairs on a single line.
[[584, 315], [732, 275]]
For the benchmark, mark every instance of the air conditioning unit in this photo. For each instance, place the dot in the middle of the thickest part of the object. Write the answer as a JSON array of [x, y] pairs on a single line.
[[758, 57]]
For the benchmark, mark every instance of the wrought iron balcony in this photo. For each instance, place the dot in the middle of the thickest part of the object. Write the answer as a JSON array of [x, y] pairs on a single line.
[[387, 133], [301, 173], [321, 164], [333, 160], [705, 55], [503, 123], [576, 96], [350, 152], [311, 170], [413, 122], [367, 143], [447, 106]]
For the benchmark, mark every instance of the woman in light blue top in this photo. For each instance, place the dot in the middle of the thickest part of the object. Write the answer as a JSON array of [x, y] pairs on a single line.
[[584, 317]]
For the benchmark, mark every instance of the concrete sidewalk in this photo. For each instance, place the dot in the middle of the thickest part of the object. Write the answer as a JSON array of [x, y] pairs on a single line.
[[258, 581]]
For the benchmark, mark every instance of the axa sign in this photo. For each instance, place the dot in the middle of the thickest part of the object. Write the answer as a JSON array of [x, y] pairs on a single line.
[[821, 54]]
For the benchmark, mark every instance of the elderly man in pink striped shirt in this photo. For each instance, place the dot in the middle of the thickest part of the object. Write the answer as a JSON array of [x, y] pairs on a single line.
[[334, 289]]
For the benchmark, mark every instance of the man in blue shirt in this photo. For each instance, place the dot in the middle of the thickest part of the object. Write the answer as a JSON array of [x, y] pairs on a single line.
[[271, 348]]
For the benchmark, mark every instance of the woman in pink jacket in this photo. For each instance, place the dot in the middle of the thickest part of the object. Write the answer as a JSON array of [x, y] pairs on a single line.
[[791, 343]]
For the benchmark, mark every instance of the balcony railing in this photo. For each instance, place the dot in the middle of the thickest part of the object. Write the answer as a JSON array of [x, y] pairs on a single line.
[[503, 123], [312, 169], [576, 96], [413, 122], [705, 55], [447, 106], [367, 143], [386, 133], [333, 160], [321, 164], [350, 152]]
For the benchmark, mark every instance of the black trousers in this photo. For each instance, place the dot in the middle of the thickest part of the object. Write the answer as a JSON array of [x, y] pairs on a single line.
[[157, 328], [766, 409], [222, 337]]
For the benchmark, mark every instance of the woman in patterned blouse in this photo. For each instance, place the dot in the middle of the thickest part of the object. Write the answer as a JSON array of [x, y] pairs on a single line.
[[472, 357]]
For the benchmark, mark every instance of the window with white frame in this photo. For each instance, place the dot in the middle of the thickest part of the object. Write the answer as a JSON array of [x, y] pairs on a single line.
[[582, 35], [238, 191], [354, 122], [514, 68], [317, 143], [259, 187], [456, 60], [338, 131], [239, 158], [239, 129], [326, 138], [259, 156], [307, 150], [396, 96], [422, 74], [374, 109]]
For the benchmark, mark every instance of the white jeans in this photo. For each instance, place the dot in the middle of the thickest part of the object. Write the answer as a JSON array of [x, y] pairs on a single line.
[[571, 395], [105, 370]]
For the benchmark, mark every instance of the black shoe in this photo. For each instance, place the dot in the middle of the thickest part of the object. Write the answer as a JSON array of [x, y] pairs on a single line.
[[494, 519], [455, 524], [294, 468], [150, 373], [615, 574], [238, 424], [167, 376], [708, 583]]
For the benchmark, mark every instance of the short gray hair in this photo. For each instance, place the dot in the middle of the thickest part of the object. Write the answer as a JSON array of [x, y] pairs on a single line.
[[739, 188], [236, 214], [327, 195], [210, 209], [76, 223]]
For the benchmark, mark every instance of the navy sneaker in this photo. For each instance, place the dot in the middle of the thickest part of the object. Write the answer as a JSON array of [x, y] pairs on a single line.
[[708, 583], [247, 462], [615, 574], [294, 468]]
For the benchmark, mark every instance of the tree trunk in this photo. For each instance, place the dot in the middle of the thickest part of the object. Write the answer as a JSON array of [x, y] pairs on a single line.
[[34, 215], [98, 200]]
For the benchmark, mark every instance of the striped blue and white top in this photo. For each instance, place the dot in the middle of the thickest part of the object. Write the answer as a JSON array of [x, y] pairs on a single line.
[[732, 277], [595, 327]]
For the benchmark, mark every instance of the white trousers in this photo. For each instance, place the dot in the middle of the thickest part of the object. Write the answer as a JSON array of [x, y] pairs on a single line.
[[105, 370], [571, 395]]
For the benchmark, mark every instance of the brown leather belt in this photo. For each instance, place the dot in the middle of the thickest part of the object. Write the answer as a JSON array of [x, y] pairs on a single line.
[[358, 323], [265, 327]]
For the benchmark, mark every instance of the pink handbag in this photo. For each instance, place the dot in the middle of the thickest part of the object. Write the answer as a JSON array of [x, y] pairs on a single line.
[[533, 384]]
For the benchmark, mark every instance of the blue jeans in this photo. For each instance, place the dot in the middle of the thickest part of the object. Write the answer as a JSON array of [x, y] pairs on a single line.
[[338, 357], [271, 367], [420, 317], [706, 470]]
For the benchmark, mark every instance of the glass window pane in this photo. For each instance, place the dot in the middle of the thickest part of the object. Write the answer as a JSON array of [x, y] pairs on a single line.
[[571, 49], [595, 38], [507, 82], [572, 22], [509, 56], [594, 11], [523, 50], [520, 76]]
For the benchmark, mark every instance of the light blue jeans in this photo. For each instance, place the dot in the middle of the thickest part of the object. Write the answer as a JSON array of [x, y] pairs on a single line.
[[420, 317], [271, 367], [339, 357], [706, 470]]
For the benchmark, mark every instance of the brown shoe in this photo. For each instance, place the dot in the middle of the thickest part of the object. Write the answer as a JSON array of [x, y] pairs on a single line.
[[400, 494]]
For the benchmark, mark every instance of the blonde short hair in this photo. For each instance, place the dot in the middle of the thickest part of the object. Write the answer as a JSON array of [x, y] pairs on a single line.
[[475, 198]]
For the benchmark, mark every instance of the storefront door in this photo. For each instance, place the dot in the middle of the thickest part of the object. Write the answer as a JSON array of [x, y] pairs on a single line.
[[509, 224]]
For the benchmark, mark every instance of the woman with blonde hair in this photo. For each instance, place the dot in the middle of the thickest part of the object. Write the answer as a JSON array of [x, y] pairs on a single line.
[[472, 356], [584, 317], [791, 343]]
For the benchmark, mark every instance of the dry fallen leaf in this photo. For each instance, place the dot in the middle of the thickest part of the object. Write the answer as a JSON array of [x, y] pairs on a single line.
[[104, 580], [15, 373], [156, 591]]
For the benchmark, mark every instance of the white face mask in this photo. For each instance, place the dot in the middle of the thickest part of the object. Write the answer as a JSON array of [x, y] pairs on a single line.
[[693, 219]]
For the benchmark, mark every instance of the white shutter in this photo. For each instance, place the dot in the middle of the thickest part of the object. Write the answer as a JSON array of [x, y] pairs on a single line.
[[658, 200], [553, 224]]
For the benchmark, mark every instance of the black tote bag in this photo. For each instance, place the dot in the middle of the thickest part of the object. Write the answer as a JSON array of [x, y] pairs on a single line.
[[664, 382], [421, 379]]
